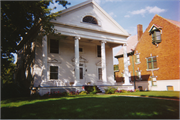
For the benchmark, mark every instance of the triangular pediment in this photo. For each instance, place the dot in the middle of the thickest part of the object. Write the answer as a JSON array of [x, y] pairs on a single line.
[[155, 27], [81, 60], [98, 63], [73, 18]]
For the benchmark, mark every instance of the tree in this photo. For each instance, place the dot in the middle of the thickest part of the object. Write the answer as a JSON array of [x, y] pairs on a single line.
[[21, 22]]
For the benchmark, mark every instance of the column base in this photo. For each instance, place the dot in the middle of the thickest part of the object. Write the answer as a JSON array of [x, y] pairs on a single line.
[[77, 83], [127, 84], [105, 83]]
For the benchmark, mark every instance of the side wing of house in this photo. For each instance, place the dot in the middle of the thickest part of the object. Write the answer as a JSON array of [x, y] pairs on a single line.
[[156, 56]]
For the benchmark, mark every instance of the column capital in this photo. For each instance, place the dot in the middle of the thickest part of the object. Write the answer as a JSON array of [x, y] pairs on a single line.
[[103, 41], [125, 44], [77, 37]]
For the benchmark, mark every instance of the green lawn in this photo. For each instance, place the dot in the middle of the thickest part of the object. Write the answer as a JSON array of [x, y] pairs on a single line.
[[164, 94], [89, 106]]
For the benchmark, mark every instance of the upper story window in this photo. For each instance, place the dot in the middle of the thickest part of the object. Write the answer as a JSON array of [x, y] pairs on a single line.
[[90, 19], [155, 33], [152, 62], [137, 58], [54, 46], [98, 51]]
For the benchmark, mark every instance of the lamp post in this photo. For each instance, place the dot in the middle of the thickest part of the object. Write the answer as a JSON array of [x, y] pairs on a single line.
[[132, 53]]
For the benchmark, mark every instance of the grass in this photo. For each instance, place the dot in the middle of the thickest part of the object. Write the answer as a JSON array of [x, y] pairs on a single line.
[[89, 107], [164, 94]]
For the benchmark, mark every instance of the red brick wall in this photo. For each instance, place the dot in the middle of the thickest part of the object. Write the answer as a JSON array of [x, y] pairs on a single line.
[[167, 51]]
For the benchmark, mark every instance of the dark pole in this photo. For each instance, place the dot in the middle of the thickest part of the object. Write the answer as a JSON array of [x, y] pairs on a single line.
[[133, 69]]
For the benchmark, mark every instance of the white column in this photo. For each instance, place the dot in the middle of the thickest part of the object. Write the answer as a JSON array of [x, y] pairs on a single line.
[[76, 46], [126, 71], [103, 62], [44, 58]]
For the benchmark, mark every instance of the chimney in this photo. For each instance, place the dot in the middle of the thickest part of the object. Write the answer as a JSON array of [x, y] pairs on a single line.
[[139, 31]]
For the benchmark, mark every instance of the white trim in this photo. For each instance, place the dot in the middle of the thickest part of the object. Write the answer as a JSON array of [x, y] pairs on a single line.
[[85, 28], [98, 38], [97, 6], [152, 69]]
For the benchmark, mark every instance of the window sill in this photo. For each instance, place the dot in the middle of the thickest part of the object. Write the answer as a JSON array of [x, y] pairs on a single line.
[[152, 69], [137, 63]]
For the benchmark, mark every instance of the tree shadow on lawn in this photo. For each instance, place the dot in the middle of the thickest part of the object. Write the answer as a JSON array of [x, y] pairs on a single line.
[[95, 107]]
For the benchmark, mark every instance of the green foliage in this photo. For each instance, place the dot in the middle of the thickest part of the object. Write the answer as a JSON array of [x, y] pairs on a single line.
[[137, 90], [7, 73], [83, 93], [92, 90], [21, 21], [110, 90]]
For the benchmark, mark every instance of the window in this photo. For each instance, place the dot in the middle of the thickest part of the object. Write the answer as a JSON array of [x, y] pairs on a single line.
[[137, 58], [152, 62], [138, 73], [98, 51], [129, 61], [53, 72], [100, 73], [156, 35], [153, 80], [81, 73], [90, 19], [54, 46], [80, 50]]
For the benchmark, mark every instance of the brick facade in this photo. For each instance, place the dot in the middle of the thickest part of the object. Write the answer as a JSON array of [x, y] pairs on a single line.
[[167, 53]]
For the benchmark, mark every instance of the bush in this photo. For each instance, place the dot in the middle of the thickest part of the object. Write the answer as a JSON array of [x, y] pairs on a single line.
[[92, 90], [55, 94], [83, 93], [123, 91], [110, 90], [137, 90]]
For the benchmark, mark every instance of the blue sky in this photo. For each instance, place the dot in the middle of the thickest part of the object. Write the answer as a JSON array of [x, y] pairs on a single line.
[[130, 13]]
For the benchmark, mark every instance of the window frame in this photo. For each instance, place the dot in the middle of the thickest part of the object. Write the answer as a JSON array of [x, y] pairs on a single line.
[[155, 35], [93, 20], [138, 73], [98, 74], [137, 58], [153, 80], [152, 61]]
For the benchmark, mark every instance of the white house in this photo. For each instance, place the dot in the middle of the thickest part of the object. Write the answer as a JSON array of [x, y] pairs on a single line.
[[82, 53]]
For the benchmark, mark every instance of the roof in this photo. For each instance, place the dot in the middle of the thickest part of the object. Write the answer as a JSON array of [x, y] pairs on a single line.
[[177, 23], [131, 45]]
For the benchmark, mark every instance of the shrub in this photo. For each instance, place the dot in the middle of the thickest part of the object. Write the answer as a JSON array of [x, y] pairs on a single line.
[[110, 90], [83, 93], [137, 90], [73, 93]]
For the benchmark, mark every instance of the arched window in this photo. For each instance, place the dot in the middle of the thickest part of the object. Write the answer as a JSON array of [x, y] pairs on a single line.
[[90, 19]]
